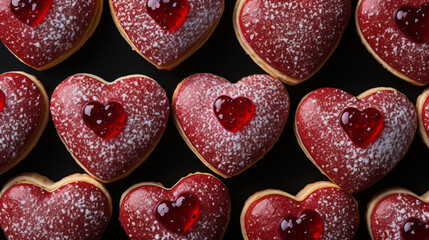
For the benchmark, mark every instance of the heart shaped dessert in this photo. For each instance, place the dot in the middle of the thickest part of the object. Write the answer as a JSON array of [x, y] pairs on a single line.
[[423, 115], [24, 113], [230, 126], [320, 211], [396, 33], [43, 33], [109, 128], [75, 208], [398, 214], [291, 40], [355, 141], [197, 207], [166, 32]]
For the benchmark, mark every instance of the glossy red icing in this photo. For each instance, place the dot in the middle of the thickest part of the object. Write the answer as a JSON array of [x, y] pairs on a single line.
[[307, 226], [179, 216], [377, 22], [293, 37], [146, 106], [169, 15], [74, 211], [350, 166], [105, 120], [2, 100], [363, 127], [226, 151], [337, 211], [158, 45], [415, 229], [139, 219], [233, 113], [414, 22], [22, 108], [31, 12], [390, 215], [425, 115]]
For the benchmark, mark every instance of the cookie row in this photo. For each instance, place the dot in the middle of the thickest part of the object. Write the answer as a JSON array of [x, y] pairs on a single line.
[[45, 32], [199, 207], [111, 128]]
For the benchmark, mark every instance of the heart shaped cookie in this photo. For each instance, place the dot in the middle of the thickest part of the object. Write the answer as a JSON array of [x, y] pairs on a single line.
[[230, 126], [33, 207], [291, 40], [423, 115], [197, 207], [166, 32], [24, 113], [43, 33], [109, 128], [320, 211], [355, 141], [398, 214], [396, 33]]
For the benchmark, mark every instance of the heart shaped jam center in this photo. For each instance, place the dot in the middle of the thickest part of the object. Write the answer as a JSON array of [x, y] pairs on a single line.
[[105, 120], [168, 14], [415, 229], [179, 216], [31, 12], [308, 226], [233, 113], [414, 22], [2, 100], [362, 127]]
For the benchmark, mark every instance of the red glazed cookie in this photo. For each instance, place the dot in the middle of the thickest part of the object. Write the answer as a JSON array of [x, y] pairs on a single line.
[[320, 211], [43, 33], [197, 207], [355, 141], [291, 40], [398, 214], [109, 128], [396, 33], [423, 115], [24, 113], [230, 126], [75, 208], [166, 41]]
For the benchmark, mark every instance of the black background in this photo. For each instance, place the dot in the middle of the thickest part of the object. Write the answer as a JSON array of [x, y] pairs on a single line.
[[285, 167]]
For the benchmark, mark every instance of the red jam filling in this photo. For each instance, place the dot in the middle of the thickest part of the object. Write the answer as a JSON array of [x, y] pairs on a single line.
[[414, 229], [31, 12], [105, 120], [308, 226], [2, 100], [179, 216], [168, 14], [362, 127], [414, 22], [233, 114]]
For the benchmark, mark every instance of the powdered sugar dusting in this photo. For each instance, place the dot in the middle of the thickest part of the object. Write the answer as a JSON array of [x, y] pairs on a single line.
[[336, 208], [137, 213], [77, 210], [294, 37], [146, 106], [351, 167], [20, 116], [378, 26], [58, 32], [231, 152], [158, 45], [425, 116], [391, 213]]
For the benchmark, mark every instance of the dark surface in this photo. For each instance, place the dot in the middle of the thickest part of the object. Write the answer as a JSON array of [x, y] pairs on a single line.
[[285, 167]]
